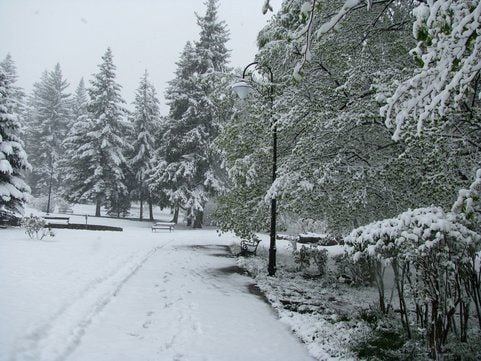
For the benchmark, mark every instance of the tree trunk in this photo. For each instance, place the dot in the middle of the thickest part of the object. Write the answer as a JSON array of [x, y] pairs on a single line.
[[175, 219], [97, 208], [141, 198], [118, 207], [404, 311], [199, 218], [151, 208], [189, 218], [49, 191]]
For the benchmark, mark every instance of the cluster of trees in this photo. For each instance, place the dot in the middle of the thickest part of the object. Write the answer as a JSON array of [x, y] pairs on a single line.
[[371, 121], [84, 147], [87, 146], [352, 147]]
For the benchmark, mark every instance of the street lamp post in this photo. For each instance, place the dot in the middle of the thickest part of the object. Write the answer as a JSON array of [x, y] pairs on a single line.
[[242, 89]]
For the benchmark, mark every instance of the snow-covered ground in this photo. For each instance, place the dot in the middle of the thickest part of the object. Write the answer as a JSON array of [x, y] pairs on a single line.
[[132, 295]]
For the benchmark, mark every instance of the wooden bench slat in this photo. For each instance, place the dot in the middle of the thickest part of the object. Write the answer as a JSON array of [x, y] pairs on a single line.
[[58, 218]]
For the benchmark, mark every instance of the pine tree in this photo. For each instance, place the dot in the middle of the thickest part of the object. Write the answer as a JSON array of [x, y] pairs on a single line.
[[146, 118], [13, 159], [76, 162], [211, 49], [187, 169], [17, 93], [106, 141], [47, 126], [165, 180]]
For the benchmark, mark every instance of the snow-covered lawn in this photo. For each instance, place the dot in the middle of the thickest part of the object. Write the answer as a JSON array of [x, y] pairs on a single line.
[[132, 295]]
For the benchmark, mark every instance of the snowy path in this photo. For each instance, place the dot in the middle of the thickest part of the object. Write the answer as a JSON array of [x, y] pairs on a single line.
[[130, 296], [184, 304]]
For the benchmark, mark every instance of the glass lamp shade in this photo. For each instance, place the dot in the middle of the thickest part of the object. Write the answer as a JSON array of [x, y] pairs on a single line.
[[242, 89]]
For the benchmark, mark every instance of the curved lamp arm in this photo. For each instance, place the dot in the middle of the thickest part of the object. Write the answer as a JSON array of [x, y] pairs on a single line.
[[243, 88]]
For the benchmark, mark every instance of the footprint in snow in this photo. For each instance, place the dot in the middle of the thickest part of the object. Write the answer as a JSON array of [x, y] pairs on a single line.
[[147, 324]]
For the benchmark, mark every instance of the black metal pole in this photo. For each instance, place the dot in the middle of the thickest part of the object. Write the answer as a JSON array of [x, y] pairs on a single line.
[[271, 267], [272, 247]]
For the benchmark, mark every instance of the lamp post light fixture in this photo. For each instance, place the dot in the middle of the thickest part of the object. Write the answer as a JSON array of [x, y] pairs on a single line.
[[242, 88]]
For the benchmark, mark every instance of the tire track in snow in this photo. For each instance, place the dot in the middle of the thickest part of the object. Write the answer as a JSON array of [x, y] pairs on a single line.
[[56, 339]]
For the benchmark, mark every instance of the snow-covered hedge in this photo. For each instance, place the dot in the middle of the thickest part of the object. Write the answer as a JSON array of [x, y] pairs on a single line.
[[435, 260]]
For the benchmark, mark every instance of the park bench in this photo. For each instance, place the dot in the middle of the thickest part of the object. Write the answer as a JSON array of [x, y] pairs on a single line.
[[163, 225], [67, 219], [249, 247]]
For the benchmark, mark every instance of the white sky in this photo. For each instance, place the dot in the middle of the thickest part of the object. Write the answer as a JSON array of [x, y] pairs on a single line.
[[143, 34]]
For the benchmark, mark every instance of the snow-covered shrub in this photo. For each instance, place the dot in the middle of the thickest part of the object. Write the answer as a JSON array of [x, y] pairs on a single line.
[[302, 258], [354, 273], [433, 256], [35, 227], [310, 257]]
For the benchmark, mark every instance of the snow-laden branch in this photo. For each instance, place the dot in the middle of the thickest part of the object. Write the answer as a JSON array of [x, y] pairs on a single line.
[[449, 53]]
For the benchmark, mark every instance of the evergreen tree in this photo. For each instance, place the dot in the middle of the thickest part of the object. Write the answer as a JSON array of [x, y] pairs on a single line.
[[76, 162], [187, 169], [212, 53], [13, 159], [145, 119], [106, 144], [165, 180], [49, 116], [17, 93]]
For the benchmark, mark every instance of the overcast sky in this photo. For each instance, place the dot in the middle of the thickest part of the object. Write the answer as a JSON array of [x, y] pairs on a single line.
[[143, 34]]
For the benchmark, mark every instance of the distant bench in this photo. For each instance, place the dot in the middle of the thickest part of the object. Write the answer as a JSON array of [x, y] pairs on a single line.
[[249, 247], [163, 225], [67, 219]]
